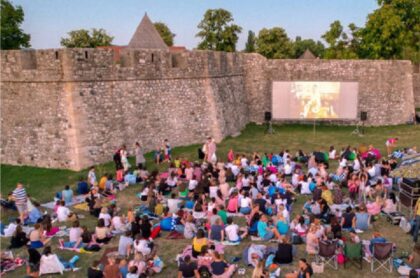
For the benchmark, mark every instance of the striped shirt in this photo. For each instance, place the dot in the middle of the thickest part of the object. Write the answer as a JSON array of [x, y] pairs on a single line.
[[20, 196]]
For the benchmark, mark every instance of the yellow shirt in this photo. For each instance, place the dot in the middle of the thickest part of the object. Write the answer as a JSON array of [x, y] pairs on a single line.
[[102, 183], [418, 207], [199, 243], [327, 196]]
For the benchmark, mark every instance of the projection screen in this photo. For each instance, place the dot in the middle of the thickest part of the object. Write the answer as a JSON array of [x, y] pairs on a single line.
[[314, 100]]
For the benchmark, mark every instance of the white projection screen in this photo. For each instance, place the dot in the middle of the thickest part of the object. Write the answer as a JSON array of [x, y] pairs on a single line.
[[314, 100]]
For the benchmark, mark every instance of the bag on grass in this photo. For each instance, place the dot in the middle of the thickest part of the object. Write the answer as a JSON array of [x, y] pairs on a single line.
[[405, 225], [317, 267]]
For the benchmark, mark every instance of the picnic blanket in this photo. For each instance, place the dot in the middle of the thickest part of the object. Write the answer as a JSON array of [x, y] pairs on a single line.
[[76, 200]]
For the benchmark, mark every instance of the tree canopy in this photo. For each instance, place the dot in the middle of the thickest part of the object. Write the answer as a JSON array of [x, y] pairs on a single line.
[[217, 31], [165, 33], [274, 43], [250, 42], [87, 39], [300, 45], [12, 36]]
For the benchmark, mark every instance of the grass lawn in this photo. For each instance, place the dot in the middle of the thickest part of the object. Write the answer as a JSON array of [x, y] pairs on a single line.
[[42, 183]]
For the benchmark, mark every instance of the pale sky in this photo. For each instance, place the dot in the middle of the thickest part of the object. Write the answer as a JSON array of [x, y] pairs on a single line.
[[49, 20]]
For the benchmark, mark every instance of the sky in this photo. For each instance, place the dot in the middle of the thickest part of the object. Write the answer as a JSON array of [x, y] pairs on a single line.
[[49, 20]]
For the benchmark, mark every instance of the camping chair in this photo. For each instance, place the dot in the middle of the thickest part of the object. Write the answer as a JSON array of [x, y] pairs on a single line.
[[382, 254], [328, 253], [353, 253]]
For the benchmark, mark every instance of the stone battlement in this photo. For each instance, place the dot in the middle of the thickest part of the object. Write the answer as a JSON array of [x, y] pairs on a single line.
[[72, 108]]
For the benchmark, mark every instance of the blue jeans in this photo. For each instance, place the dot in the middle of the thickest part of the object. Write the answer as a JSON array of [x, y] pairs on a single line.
[[245, 210], [268, 235], [416, 228]]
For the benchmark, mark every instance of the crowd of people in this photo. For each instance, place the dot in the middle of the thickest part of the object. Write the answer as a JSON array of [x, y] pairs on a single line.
[[214, 205]]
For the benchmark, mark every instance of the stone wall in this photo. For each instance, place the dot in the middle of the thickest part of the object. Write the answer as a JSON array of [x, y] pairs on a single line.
[[71, 108], [385, 87], [101, 103], [416, 85]]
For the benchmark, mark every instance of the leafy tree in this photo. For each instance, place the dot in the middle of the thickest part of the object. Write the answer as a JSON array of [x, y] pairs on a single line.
[[165, 33], [340, 45], [250, 42], [299, 47], [392, 31], [274, 43], [87, 39], [217, 31], [12, 36]]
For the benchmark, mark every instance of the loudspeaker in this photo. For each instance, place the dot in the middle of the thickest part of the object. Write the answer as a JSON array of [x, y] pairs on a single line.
[[267, 116], [363, 116]]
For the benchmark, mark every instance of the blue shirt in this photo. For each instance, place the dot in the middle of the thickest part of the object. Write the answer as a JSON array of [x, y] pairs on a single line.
[[282, 227], [67, 196], [262, 228]]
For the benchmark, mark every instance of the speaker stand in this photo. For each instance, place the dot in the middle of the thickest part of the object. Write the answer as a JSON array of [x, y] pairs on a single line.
[[270, 129], [357, 131]]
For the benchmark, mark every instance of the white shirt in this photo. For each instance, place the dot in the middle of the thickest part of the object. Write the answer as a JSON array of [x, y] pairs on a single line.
[[235, 170], [273, 178], [142, 247], [192, 184], [62, 213], [287, 169], [74, 234], [232, 232], [106, 217], [331, 154], [173, 205], [304, 188], [10, 230], [245, 202], [245, 182], [244, 162], [117, 223], [213, 191]]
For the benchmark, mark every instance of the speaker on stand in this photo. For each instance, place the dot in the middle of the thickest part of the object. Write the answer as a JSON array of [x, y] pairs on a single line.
[[360, 131], [267, 119]]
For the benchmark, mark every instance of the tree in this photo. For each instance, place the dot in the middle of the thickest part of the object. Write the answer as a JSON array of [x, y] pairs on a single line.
[[274, 43], [250, 42], [165, 33], [12, 36], [87, 39], [299, 47], [217, 31], [340, 45], [392, 31]]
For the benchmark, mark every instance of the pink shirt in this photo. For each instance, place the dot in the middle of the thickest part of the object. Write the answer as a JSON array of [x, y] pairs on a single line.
[[233, 204], [189, 173]]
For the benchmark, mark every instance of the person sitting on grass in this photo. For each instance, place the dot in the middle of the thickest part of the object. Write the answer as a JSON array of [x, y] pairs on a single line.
[[285, 252], [265, 232], [18, 238], [232, 231], [198, 242], [37, 238], [219, 268], [75, 237], [139, 263], [188, 269], [102, 233], [112, 269], [304, 270], [94, 270], [216, 231]]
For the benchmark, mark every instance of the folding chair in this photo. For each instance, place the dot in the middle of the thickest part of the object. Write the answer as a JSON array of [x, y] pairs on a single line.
[[353, 253], [328, 253], [382, 254]]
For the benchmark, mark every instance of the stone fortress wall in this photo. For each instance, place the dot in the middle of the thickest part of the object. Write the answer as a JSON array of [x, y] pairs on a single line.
[[71, 108]]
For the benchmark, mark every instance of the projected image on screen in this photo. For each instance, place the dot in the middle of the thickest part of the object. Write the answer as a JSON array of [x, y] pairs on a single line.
[[314, 100]]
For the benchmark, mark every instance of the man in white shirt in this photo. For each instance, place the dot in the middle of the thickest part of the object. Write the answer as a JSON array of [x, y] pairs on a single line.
[[173, 204], [232, 231], [62, 212]]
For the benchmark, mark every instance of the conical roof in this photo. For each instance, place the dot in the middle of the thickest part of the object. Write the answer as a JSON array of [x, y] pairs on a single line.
[[307, 55], [146, 36]]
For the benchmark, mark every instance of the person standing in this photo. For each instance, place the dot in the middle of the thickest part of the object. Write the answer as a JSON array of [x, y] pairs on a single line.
[[21, 201], [140, 160], [92, 177], [417, 218], [211, 151], [390, 145], [167, 150], [124, 158]]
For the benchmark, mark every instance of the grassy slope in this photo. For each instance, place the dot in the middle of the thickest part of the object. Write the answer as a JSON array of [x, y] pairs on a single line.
[[252, 139]]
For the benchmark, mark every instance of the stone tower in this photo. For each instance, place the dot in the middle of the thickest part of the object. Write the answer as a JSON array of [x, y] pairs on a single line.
[[146, 36]]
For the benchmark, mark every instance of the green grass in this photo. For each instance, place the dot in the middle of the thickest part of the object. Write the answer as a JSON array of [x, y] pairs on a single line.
[[42, 183]]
